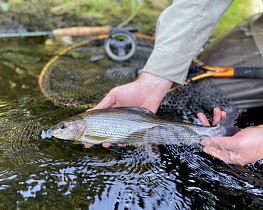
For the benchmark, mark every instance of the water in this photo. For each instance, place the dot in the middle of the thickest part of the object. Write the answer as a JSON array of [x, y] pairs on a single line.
[[38, 173]]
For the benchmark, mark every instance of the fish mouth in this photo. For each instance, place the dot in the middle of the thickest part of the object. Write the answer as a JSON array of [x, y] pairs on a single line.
[[46, 134]]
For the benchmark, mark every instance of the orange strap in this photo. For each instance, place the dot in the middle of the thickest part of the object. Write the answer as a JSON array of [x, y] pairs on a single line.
[[215, 71]]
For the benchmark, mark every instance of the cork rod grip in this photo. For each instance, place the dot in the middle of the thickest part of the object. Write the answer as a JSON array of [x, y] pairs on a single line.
[[81, 31]]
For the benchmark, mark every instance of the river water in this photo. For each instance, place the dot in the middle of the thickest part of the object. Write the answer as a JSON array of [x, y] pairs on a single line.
[[38, 173]]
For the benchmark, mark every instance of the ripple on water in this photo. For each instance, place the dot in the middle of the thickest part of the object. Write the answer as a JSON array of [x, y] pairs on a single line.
[[53, 171]]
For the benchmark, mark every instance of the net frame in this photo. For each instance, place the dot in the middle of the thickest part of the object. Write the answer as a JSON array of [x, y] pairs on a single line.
[[47, 68]]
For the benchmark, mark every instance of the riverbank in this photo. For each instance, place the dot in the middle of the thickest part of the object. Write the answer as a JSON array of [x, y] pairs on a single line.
[[237, 12], [20, 16]]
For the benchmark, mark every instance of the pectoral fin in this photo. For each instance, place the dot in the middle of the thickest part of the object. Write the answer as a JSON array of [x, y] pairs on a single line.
[[145, 143], [150, 150]]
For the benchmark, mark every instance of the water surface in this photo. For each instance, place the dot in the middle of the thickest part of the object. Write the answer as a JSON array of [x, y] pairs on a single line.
[[38, 173]]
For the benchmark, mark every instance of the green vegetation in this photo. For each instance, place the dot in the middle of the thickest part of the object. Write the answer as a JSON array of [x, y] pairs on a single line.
[[238, 11], [50, 14]]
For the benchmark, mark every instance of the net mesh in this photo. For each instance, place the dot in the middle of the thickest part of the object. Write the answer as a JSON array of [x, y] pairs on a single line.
[[199, 96], [83, 75]]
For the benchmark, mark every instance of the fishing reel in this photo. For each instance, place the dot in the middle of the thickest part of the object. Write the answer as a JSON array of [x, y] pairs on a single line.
[[121, 45]]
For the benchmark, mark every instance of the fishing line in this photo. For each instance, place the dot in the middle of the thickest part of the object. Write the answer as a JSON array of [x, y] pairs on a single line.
[[133, 14]]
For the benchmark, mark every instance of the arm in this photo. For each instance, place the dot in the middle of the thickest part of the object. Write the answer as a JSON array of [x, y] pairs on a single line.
[[182, 30], [244, 147]]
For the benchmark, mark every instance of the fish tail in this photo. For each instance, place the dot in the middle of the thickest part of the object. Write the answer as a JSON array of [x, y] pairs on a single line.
[[229, 123]]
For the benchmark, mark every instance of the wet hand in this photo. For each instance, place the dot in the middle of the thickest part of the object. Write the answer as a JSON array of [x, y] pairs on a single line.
[[147, 92], [244, 147]]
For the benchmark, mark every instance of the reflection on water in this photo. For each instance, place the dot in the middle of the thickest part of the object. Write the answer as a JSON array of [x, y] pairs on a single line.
[[38, 173]]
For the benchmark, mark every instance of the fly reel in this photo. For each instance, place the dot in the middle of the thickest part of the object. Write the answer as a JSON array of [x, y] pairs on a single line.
[[121, 45]]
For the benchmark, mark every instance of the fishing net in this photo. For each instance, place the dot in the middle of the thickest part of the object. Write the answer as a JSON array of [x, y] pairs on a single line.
[[81, 75]]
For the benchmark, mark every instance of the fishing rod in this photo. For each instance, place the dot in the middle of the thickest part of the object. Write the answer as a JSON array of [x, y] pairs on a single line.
[[120, 44], [80, 30], [71, 31]]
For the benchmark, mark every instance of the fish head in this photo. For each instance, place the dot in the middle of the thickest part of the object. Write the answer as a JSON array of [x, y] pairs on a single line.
[[69, 130]]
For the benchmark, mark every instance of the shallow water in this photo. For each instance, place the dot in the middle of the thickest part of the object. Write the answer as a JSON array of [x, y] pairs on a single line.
[[38, 173]]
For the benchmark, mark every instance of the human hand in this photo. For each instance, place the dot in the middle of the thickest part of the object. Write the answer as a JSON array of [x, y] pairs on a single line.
[[244, 147], [147, 92], [218, 115]]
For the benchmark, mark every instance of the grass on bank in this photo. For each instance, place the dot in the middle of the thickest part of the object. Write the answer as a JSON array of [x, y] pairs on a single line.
[[114, 12], [238, 11]]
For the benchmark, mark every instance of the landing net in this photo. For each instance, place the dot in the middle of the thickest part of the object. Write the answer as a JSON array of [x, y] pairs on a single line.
[[81, 75]]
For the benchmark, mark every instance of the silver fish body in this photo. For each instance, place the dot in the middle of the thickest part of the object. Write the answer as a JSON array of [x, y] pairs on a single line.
[[135, 126]]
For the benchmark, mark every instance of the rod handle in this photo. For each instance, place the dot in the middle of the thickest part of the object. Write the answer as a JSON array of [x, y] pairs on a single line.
[[81, 31], [248, 72]]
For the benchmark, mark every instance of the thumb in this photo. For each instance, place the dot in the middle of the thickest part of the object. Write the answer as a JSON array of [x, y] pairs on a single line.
[[229, 157], [107, 102], [228, 143], [203, 119]]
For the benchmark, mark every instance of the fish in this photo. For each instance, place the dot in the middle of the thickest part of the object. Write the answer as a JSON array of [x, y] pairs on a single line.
[[136, 126]]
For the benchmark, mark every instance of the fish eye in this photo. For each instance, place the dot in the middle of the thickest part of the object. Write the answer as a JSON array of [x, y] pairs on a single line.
[[63, 126]]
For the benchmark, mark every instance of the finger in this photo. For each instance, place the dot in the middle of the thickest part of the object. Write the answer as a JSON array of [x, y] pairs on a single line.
[[203, 119], [122, 145], [228, 157], [87, 145], [107, 102], [106, 145], [223, 115], [217, 116]]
